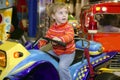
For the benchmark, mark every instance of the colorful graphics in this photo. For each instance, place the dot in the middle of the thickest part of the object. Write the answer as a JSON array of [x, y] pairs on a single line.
[[5, 23]]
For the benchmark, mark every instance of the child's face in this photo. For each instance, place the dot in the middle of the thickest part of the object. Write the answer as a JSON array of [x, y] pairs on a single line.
[[61, 16]]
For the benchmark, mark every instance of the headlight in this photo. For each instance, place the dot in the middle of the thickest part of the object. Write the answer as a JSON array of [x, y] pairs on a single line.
[[3, 59]]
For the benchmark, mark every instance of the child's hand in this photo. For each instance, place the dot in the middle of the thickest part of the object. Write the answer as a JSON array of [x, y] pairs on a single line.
[[57, 39], [41, 43]]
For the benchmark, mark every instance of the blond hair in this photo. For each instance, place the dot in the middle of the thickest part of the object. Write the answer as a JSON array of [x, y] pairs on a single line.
[[52, 8]]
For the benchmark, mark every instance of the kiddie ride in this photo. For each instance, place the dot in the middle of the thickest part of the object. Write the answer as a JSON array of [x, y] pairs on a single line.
[[94, 19], [29, 63], [18, 62]]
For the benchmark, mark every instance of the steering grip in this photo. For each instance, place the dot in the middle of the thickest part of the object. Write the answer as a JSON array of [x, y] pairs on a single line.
[[58, 42], [48, 39]]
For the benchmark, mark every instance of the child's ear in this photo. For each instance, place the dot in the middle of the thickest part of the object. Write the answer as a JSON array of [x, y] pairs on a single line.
[[53, 16]]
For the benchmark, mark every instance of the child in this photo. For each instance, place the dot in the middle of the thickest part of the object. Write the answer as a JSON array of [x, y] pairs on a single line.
[[60, 30]]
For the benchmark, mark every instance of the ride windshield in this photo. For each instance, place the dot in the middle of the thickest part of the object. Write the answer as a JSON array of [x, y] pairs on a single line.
[[108, 22]]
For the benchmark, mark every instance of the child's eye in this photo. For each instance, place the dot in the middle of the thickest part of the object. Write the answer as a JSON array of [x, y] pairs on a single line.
[[66, 12], [63, 12], [60, 12]]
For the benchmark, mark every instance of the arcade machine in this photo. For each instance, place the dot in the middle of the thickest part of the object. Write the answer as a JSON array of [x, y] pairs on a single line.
[[5, 19], [94, 18], [22, 13]]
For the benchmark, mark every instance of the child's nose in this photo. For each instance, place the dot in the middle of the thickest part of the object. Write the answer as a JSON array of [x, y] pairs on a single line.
[[64, 14]]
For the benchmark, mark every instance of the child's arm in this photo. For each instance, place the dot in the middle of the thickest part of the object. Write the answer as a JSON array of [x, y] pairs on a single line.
[[69, 35]]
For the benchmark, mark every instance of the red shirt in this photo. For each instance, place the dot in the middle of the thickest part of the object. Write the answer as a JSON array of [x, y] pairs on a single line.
[[66, 33]]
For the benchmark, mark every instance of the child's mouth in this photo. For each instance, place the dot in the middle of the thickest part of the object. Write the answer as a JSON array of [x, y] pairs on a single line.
[[64, 19]]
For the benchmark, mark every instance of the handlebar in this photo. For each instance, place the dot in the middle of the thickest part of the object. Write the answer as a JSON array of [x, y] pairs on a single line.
[[48, 39], [58, 42]]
